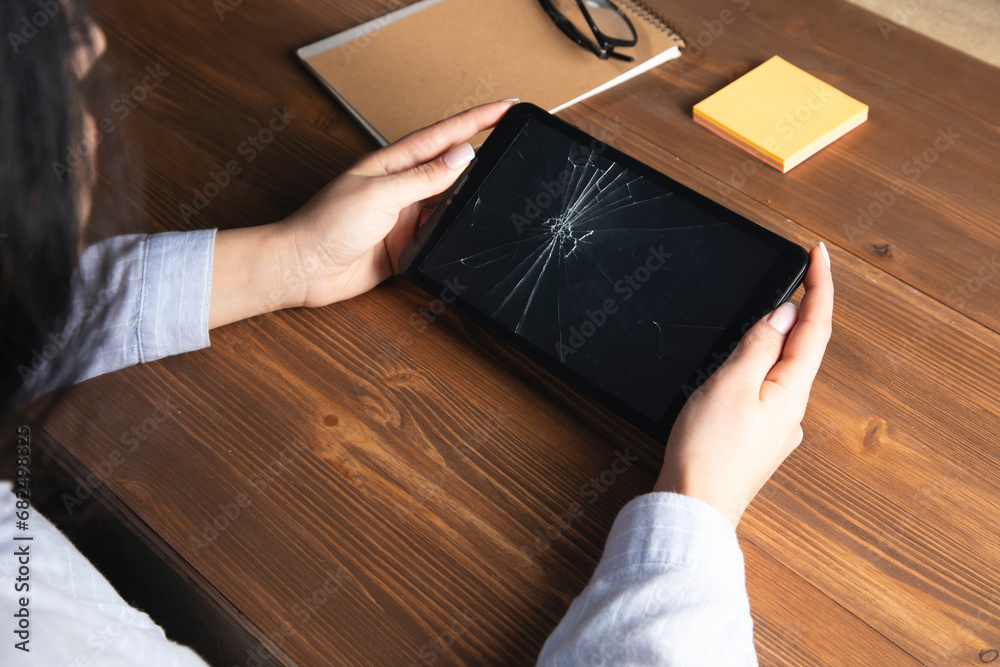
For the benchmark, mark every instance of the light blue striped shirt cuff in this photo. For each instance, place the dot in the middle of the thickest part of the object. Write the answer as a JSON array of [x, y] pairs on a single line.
[[154, 303], [175, 294], [669, 590]]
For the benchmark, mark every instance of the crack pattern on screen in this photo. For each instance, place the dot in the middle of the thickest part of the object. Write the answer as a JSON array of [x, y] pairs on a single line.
[[592, 263], [576, 231]]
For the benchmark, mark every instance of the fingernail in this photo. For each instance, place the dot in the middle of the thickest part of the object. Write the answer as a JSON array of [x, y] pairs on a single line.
[[515, 100], [826, 253], [459, 156], [783, 317]]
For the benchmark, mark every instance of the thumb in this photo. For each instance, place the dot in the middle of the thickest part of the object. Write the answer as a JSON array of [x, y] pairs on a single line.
[[761, 346], [430, 178]]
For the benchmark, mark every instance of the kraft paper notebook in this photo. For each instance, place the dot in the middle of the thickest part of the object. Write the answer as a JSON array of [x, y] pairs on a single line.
[[425, 62]]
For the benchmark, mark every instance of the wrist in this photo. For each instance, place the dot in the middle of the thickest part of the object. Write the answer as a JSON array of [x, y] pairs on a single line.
[[254, 271], [289, 287], [674, 481]]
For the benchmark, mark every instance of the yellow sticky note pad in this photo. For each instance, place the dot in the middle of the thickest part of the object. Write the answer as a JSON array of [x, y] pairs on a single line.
[[780, 114]]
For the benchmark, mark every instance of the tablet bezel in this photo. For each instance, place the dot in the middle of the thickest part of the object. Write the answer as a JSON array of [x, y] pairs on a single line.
[[775, 287]]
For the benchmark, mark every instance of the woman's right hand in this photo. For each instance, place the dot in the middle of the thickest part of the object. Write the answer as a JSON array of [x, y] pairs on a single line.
[[739, 426]]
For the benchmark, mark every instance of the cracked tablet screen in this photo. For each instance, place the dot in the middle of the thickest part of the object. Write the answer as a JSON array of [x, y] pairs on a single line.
[[614, 275]]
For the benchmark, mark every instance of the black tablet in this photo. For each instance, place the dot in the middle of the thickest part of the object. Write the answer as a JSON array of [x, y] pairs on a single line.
[[618, 278]]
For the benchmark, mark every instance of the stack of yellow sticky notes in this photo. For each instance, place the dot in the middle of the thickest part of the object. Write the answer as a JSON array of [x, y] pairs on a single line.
[[780, 114]]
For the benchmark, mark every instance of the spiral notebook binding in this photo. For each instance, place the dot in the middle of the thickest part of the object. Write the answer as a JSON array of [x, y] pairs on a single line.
[[646, 13]]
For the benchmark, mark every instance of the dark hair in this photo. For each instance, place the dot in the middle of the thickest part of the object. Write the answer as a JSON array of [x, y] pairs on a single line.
[[41, 121]]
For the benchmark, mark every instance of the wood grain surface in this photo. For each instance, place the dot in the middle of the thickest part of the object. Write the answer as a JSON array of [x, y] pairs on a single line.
[[353, 485]]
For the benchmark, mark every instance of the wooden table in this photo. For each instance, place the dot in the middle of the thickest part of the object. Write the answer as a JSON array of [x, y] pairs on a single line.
[[340, 497]]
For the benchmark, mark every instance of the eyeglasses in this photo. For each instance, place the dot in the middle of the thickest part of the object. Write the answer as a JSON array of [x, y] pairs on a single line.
[[610, 26]]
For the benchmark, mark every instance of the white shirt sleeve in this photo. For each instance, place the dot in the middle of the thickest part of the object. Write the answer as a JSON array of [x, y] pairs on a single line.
[[669, 590], [73, 616]]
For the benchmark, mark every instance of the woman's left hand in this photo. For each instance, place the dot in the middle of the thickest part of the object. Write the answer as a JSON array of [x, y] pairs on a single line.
[[348, 237]]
